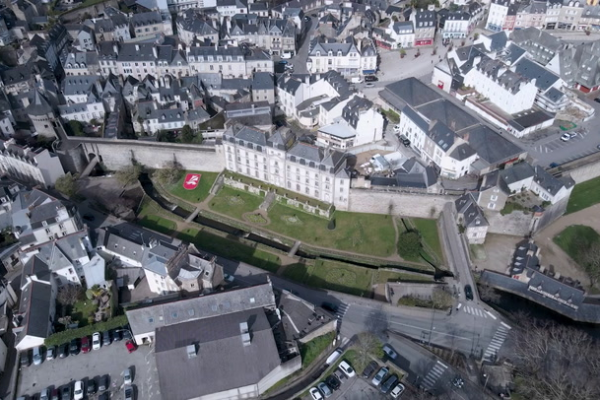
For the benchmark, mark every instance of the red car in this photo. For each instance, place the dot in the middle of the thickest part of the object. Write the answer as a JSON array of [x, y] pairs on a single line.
[[85, 344], [131, 346]]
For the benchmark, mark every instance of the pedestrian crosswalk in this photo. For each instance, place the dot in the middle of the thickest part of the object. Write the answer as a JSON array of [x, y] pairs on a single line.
[[499, 337], [341, 310], [475, 311], [434, 375]]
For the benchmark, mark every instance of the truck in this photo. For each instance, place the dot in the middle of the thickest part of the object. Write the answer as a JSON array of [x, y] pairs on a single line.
[[356, 79]]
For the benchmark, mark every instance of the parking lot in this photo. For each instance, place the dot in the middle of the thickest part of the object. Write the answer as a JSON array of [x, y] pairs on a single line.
[[110, 360]]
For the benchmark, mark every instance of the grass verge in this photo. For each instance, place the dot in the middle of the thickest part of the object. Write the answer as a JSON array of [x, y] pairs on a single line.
[[428, 230], [234, 203], [584, 195], [313, 349], [575, 239]]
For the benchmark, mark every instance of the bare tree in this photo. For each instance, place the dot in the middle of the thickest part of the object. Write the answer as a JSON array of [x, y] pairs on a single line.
[[555, 362], [441, 298], [591, 262], [367, 345], [488, 293], [69, 294]]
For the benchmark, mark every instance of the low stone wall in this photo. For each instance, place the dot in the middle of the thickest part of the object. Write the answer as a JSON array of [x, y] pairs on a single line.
[[405, 204], [331, 326], [262, 191]]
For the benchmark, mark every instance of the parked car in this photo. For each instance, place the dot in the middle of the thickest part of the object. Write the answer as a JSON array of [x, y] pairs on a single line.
[[65, 392], [325, 389], [387, 349], [51, 353], [397, 391], [378, 378], [63, 350], [468, 292], [396, 128], [389, 383], [86, 347], [78, 390], [74, 347], [128, 392], [91, 387], [315, 393], [333, 356], [371, 78], [25, 359], [103, 383], [283, 62], [369, 369], [404, 140], [127, 378], [96, 341], [566, 137], [126, 333], [347, 369], [286, 55], [333, 382], [131, 346], [117, 335], [37, 356], [45, 394], [88, 217], [106, 340], [55, 394]]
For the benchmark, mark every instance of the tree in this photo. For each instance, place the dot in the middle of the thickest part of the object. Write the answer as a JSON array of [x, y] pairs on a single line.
[[69, 294], [169, 174], [67, 184], [76, 128], [441, 298], [591, 262], [402, 52], [367, 345], [409, 245], [187, 134], [129, 175], [555, 362], [199, 138]]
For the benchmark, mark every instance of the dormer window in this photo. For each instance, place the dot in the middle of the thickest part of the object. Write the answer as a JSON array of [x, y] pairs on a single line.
[[330, 53], [339, 53], [318, 54]]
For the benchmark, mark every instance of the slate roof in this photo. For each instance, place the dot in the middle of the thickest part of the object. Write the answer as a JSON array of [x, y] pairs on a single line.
[[263, 81], [218, 341], [145, 320], [544, 79], [36, 301], [192, 21], [462, 152], [38, 104], [529, 119], [517, 173], [490, 146], [466, 205], [147, 18], [526, 255], [549, 182], [541, 45], [412, 91], [450, 114], [247, 135], [352, 110]]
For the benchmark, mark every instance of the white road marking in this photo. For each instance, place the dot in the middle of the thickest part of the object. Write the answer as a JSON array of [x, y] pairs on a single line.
[[490, 314]]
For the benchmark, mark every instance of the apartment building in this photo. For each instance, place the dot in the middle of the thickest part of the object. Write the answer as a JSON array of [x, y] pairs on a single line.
[[425, 22], [151, 24], [563, 15], [38, 218], [229, 61], [397, 35], [279, 160], [350, 57], [37, 166], [114, 26], [82, 63], [193, 26], [277, 36], [229, 8]]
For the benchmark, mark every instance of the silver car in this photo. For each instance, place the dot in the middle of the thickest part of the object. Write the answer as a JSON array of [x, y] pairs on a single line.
[[378, 378]]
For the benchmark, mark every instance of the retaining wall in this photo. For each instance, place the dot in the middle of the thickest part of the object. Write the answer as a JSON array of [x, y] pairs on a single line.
[[405, 204]]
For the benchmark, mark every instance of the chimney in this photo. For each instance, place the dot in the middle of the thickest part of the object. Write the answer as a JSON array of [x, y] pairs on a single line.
[[192, 350], [307, 79], [137, 47], [155, 51], [116, 48]]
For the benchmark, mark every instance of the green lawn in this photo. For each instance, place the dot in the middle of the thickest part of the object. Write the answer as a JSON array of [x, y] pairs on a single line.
[[391, 276], [195, 195], [430, 236], [332, 275], [234, 203], [149, 219], [584, 195], [313, 349], [575, 239], [82, 310], [369, 234], [231, 248]]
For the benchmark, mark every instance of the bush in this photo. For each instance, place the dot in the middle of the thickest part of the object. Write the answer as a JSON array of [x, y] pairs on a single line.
[[331, 225], [409, 244], [68, 335]]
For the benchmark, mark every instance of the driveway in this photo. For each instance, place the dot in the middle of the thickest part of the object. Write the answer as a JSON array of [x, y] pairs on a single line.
[[111, 360]]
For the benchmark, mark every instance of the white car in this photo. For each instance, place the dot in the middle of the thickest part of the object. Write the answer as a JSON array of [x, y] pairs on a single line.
[[397, 129], [315, 393], [127, 380], [387, 349], [286, 56], [78, 391], [347, 369], [567, 136], [96, 341], [397, 391]]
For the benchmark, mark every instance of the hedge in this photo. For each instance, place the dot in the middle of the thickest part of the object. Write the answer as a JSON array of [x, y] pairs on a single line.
[[70, 334]]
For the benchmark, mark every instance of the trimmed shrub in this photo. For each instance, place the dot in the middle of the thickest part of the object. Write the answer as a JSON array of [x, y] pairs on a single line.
[[68, 335]]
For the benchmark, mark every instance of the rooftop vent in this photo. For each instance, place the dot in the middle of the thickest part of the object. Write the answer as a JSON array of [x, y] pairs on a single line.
[[245, 334], [192, 351]]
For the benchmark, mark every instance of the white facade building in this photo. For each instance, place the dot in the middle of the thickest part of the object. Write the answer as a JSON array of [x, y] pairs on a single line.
[[309, 170], [348, 57], [36, 166]]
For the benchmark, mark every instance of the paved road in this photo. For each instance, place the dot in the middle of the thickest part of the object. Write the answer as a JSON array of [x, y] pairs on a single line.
[[427, 371]]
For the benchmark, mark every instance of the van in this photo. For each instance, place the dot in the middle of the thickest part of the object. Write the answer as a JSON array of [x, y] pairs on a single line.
[[286, 55], [334, 356], [356, 79], [37, 356]]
